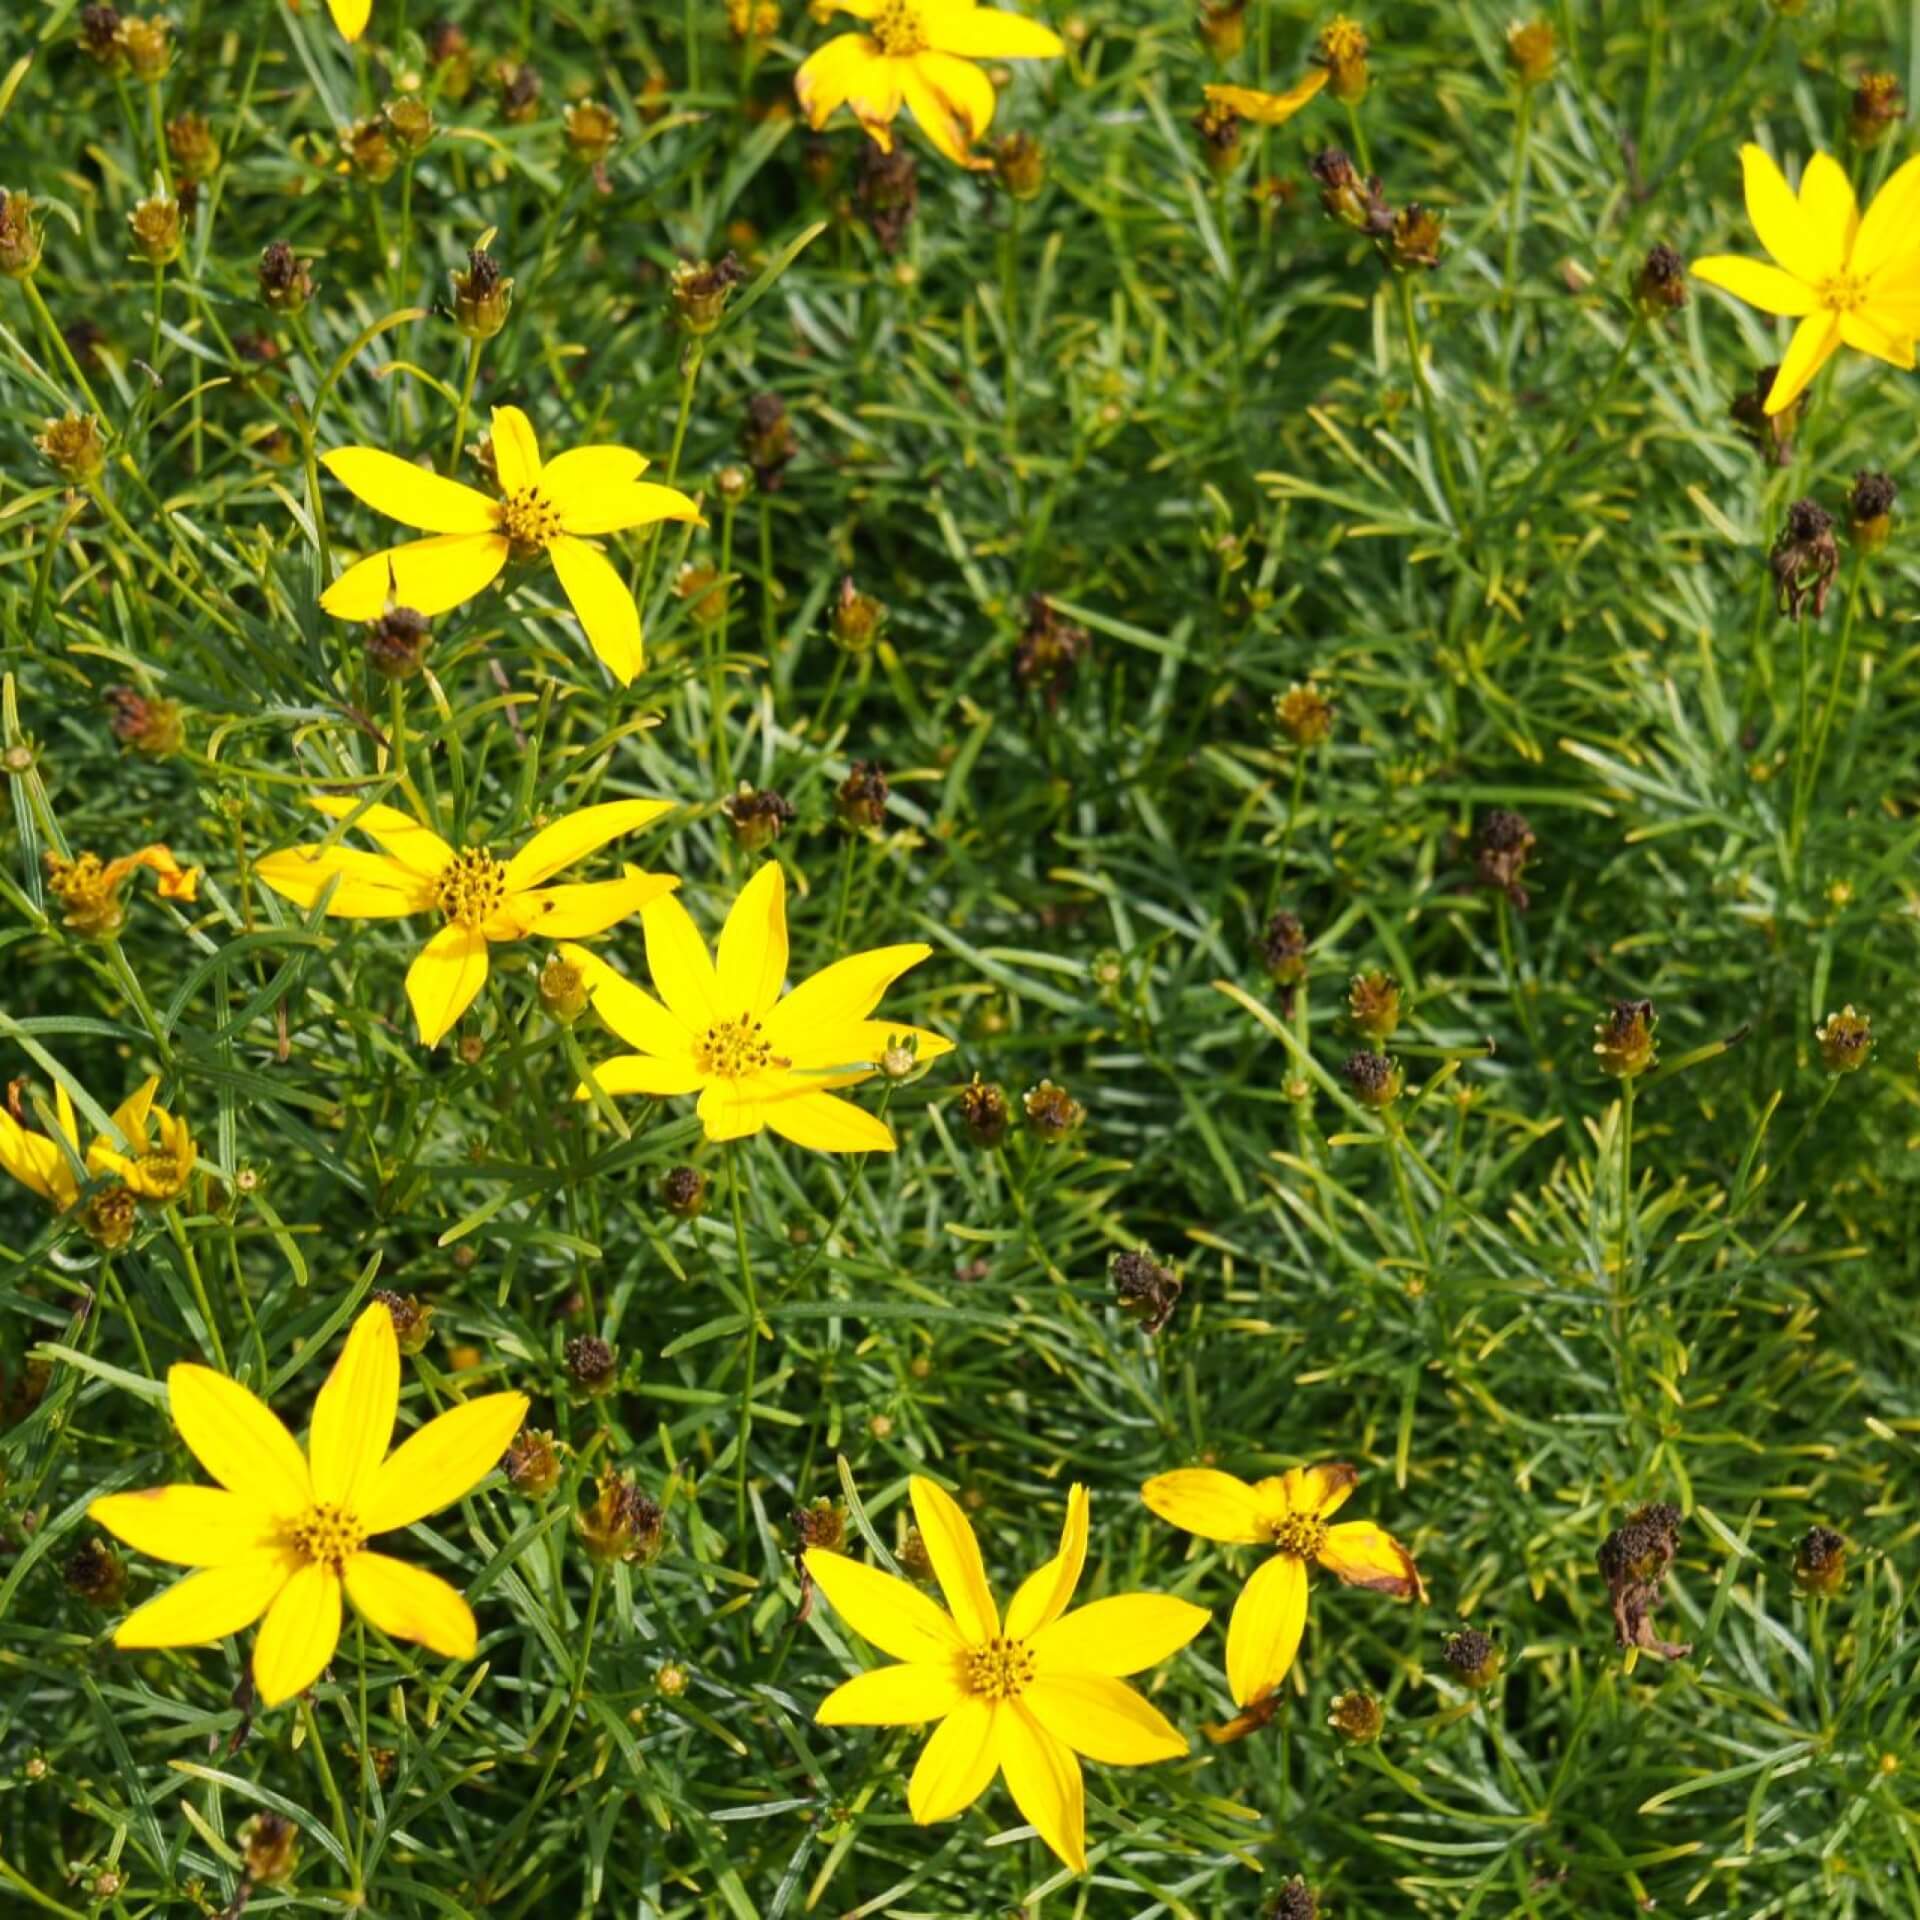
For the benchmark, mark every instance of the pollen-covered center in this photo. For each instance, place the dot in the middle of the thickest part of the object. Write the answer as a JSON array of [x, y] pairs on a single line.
[[900, 30], [472, 888], [329, 1534], [1299, 1534], [530, 521], [730, 1049], [1844, 293], [999, 1670]]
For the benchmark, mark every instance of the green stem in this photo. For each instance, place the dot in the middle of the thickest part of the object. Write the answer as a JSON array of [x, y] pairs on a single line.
[[716, 651], [1804, 787], [348, 1840], [736, 1181], [1009, 311], [1429, 407], [159, 301], [1626, 1175], [58, 341], [157, 114], [199, 1286], [690, 363], [1516, 188], [466, 404]]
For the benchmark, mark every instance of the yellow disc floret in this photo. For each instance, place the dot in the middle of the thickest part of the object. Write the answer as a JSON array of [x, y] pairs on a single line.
[[1000, 1670], [731, 1048], [472, 887], [530, 521], [900, 30], [329, 1534], [1300, 1534]]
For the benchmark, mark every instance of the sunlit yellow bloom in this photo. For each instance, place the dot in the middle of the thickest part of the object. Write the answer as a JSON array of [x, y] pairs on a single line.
[[283, 1534], [1270, 109], [1849, 280], [88, 888], [481, 897], [350, 16], [155, 1166], [755, 1059], [916, 54], [1020, 1696], [1289, 1513], [555, 509]]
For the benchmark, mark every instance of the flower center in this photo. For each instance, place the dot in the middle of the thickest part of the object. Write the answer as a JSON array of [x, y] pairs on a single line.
[[900, 30], [730, 1048], [328, 1533], [1299, 1534], [1844, 293], [162, 1170], [530, 522], [999, 1670], [472, 888]]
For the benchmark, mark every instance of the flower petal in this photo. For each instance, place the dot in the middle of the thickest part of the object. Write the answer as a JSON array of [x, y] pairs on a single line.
[[1364, 1555], [730, 1111], [677, 958], [414, 495], [299, 1634], [1828, 206], [1860, 332], [1044, 1779], [237, 1438], [1264, 1634], [823, 1123], [592, 906], [372, 887], [1778, 221], [130, 1116], [1044, 1594], [574, 477], [605, 608], [577, 835], [205, 1607], [619, 509], [837, 996], [952, 103], [956, 1765], [353, 1412], [989, 33], [1103, 1718], [850, 1053], [446, 976], [1319, 1491], [1271, 109], [350, 16], [1891, 223], [1212, 1504], [830, 75], [1771, 289], [903, 1696], [643, 1073], [430, 576], [881, 1607], [751, 961], [37, 1163], [516, 450], [399, 835], [955, 1554], [1815, 341], [408, 1603], [191, 1526], [1126, 1633], [441, 1463], [631, 1011]]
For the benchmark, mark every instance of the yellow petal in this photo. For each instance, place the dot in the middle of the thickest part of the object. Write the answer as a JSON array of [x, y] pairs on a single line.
[[130, 1116], [1771, 289], [350, 16], [1126, 1633], [571, 913], [1781, 226], [619, 509], [574, 477], [191, 1526], [1319, 1491], [1815, 341], [897, 1618], [406, 1603], [371, 887], [1044, 1779], [399, 835], [903, 1696], [299, 1634], [416, 496], [1264, 1634], [446, 975], [430, 576], [643, 1073], [677, 958], [1212, 1504], [516, 450], [63, 1112], [442, 1462], [837, 996], [1043, 1595], [37, 1163], [205, 1607], [577, 835], [1892, 223], [1271, 109], [601, 601], [751, 962], [989, 33], [354, 1410], [1863, 333], [1828, 206], [729, 1111], [955, 1554], [1103, 1718], [1364, 1555], [956, 1765], [830, 75], [951, 110], [236, 1437], [855, 1050], [632, 1012]]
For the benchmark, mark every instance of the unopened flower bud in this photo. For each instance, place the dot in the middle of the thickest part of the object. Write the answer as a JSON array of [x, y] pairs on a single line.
[[591, 131], [856, 619], [861, 798], [410, 120], [1020, 165], [450, 55], [1222, 26], [684, 1193], [286, 282], [701, 290], [1473, 1657], [1820, 1562], [533, 1463], [1342, 49], [370, 151], [1660, 287], [706, 591], [1303, 714], [194, 151], [73, 448], [270, 1846], [1053, 1114], [1870, 511], [155, 226], [1878, 107], [148, 45], [397, 643], [148, 725], [732, 483], [1357, 1716], [1625, 1044], [1373, 1079], [592, 1364], [1846, 1039], [1373, 1003], [1532, 52], [412, 1319], [563, 989], [19, 237], [482, 296]]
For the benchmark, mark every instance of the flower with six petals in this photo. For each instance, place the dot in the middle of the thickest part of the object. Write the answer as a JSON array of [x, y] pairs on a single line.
[[1019, 1696], [481, 897], [1289, 1513], [284, 1534]]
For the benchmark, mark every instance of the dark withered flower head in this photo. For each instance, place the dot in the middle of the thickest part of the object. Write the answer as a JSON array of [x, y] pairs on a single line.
[[861, 798], [912, 1558], [1052, 1112], [286, 281], [1373, 1079], [1633, 1560], [1357, 1716], [1283, 949], [1144, 1290], [412, 1319], [1473, 1657], [1870, 511], [1820, 1561], [1501, 850], [397, 643], [482, 296], [1845, 1040], [1661, 284], [767, 440], [886, 192], [1357, 203], [1624, 1039], [1020, 165], [983, 1112], [192, 148], [1219, 128], [100, 35], [270, 1845], [1295, 1901], [533, 1462], [758, 816], [702, 288], [145, 722], [1804, 560], [1373, 1003], [823, 1523], [1878, 106], [592, 1364], [621, 1523], [1770, 433], [1415, 237], [95, 1573], [683, 1192], [519, 89], [1049, 651]]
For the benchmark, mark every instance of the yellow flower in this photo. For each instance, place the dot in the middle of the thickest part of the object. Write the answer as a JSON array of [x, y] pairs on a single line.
[[915, 53], [350, 16], [550, 509], [1270, 109], [1288, 1512], [284, 1533], [1849, 280], [755, 1059], [1021, 1696], [42, 1165], [481, 897], [88, 888]]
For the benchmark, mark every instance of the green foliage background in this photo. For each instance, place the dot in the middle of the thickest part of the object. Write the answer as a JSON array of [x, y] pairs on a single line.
[[1190, 417]]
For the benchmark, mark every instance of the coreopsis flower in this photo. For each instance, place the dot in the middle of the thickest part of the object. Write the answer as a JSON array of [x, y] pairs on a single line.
[[722, 1028], [350, 16], [88, 888], [1850, 279], [42, 1165], [919, 54], [284, 1534], [481, 897], [1290, 1513], [1270, 109], [158, 1159], [1021, 1695], [556, 509]]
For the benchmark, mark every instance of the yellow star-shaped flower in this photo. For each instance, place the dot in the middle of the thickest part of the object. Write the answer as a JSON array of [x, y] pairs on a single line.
[[155, 1166]]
